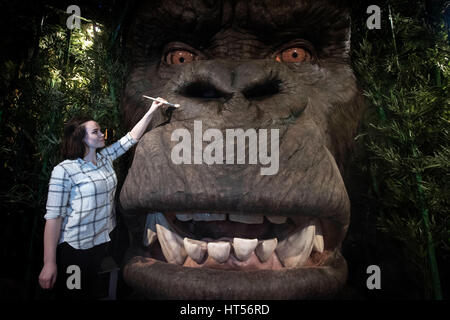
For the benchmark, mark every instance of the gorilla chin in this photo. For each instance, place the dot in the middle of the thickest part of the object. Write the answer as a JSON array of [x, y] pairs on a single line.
[[225, 231]]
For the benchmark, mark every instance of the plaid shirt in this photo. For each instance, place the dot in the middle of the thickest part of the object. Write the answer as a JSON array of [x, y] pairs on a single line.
[[83, 194]]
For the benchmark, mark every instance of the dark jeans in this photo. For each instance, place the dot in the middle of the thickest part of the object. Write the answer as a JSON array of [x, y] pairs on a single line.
[[88, 261]]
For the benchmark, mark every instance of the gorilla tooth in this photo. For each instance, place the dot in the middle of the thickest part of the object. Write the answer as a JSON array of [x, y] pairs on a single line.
[[171, 245], [219, 251], [151, 220], [156, 218], [195, 249], [184, 217], [296, 249], [149, 237], [209, 217], [276, 219], [248, 219], [265, 249], [318, 239], [243, 248]]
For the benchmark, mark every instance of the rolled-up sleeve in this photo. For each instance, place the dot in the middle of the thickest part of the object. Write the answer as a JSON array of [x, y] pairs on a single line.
[[58, 193], [119, 148]]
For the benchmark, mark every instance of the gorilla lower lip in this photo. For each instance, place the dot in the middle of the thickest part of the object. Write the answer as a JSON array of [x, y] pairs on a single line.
[[237, 253]]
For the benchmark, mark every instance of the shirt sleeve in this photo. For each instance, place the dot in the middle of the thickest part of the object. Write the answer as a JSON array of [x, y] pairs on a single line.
[[119, 148], [58, 193]]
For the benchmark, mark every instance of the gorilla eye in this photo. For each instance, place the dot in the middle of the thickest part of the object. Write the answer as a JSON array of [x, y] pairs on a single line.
[[179, 57], [296, 54]]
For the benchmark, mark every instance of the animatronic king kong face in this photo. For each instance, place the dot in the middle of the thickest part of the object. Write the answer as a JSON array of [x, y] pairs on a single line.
[[226, 231]]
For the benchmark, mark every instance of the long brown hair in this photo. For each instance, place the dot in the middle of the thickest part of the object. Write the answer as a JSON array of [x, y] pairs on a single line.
[[72, 146]]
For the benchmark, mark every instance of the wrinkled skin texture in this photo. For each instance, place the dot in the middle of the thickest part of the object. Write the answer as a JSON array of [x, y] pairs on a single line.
[[235, 80]]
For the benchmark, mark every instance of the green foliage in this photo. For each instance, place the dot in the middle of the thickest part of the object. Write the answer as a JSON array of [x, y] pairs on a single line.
[[404, 72]]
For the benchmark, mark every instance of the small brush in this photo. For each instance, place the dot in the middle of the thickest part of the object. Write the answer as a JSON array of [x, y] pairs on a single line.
[[169, 104]]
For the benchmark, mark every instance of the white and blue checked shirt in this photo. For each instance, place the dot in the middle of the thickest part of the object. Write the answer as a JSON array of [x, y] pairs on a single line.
[[83, 195]]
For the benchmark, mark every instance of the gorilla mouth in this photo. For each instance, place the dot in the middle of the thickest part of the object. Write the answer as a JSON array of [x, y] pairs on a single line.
[[234, 241], [229, 256]]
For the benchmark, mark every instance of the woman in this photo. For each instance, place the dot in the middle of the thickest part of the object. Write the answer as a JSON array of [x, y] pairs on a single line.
[[80, 206]]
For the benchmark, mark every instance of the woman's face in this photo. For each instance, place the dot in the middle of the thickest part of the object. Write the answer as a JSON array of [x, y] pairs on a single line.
[[94, 137]]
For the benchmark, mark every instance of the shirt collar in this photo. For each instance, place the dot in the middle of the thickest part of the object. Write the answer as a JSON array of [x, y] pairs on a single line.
[[84, 163]]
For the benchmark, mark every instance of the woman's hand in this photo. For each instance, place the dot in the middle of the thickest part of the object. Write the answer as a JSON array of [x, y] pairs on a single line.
[[139, 129], [156, 105], [48, 274]]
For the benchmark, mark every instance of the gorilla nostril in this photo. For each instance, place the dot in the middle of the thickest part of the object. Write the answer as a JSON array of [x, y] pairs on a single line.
[[263, 89], [202, 89]]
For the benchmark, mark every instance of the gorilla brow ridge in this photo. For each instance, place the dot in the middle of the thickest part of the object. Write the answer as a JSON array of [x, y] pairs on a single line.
[[321, 24]]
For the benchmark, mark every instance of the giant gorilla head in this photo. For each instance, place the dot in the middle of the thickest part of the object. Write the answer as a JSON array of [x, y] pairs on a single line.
[[222, 229]]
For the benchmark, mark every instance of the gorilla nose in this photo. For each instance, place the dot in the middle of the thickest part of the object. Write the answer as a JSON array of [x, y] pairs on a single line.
[[203, 89], [218, 81], [262, 89], [256, 80]]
